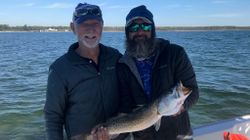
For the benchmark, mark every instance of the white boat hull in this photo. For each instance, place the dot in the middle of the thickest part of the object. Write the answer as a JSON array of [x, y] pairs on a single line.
[[215, 131]]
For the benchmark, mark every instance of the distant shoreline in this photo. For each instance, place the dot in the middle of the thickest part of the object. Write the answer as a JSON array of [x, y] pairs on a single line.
[[25, 28], [176, 30]]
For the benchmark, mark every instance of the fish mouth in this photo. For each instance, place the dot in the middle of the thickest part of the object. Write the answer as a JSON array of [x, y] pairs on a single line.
[[186, 90], [183, 89]]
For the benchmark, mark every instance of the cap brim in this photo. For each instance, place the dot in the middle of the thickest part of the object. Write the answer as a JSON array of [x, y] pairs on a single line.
[[138, 17], [88, 17]]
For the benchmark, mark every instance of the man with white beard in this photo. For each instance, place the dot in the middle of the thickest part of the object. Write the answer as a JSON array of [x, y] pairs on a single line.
[[82, 88]]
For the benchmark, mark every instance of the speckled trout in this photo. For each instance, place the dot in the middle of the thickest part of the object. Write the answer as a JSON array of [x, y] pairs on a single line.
[[145, 116]]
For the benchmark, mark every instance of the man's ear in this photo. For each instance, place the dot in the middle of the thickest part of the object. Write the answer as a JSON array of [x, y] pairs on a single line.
[[72, 27]]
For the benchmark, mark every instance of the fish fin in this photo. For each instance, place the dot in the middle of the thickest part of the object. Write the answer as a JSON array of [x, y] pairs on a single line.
[[138, 107], [157, 124], [184, 137]]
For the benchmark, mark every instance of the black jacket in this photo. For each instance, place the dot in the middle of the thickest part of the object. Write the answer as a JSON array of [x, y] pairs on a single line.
[[81, 94], [171, 66]]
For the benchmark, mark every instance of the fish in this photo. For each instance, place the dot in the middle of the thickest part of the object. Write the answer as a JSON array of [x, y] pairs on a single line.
[[147, 115]]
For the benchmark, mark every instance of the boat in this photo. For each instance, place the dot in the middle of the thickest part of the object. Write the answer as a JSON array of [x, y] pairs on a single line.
[[215, 131]]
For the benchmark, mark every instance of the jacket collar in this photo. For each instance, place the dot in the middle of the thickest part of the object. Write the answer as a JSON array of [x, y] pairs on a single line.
[[128, 60], [77, 59]]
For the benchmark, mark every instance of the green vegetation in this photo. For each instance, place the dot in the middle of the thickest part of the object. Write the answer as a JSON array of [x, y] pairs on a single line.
[[5, 27]]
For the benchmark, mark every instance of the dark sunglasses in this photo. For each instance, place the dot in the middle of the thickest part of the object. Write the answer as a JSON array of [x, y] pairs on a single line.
[[92, 11], [134, 27]]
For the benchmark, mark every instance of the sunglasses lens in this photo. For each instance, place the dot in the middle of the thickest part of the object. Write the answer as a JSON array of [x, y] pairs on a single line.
[[144, 26], [134, 28], [95, 12], [83, 12]]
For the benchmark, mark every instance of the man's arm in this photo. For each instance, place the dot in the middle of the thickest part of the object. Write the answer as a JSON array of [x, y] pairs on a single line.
[[126, 105], [185, 73], [54, 107]]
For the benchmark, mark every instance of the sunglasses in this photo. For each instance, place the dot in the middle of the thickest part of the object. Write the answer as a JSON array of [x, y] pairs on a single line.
[[134, 27], [91, 11]]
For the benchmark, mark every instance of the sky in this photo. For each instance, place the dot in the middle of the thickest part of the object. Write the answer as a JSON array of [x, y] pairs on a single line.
[[166, 12]]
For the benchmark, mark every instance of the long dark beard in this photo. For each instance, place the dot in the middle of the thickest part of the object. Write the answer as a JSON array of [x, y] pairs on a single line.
[[143, 48]]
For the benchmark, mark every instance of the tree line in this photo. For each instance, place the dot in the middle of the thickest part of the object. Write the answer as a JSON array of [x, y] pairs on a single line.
[[5, 27]]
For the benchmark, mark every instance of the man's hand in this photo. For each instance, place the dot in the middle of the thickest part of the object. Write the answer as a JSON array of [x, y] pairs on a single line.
[[100, 133]]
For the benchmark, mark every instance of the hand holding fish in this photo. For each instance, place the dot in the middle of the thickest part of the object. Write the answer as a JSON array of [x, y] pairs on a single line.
[[172, 104], [100, 133], [166, 105]]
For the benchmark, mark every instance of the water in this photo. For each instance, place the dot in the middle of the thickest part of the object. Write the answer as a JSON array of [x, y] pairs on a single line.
[[221, 60]]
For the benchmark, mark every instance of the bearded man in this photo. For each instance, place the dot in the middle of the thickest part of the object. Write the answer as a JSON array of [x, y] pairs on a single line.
[[149, 68]]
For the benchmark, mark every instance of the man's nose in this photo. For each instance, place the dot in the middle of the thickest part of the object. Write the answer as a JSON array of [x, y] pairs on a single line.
[[140, 31]]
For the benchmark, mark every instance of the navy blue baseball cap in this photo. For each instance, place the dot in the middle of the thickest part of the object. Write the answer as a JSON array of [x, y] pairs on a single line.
[[140, 12], [85, 12]]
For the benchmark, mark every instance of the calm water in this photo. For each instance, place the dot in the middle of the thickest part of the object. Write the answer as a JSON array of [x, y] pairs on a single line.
[[221, 60]]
